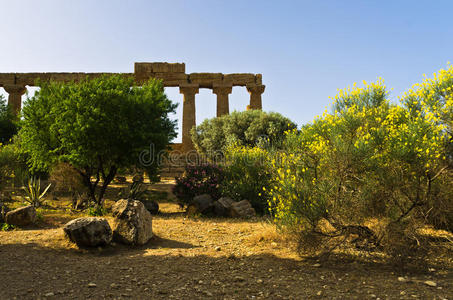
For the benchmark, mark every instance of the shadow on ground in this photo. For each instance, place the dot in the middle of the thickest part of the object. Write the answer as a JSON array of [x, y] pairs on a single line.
[[30, 271]]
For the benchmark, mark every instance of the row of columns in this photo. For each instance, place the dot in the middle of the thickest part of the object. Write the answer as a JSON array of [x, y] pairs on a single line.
[[188, 90], [222, 91]]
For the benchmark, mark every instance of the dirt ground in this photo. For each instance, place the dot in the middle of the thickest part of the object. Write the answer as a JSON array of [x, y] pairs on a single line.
[[198, 258]]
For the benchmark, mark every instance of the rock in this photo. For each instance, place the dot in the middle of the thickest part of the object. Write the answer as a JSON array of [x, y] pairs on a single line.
[[120, 179], [402, 279], [200, 204], [222, 206], [88, 232], [132, 223], [317, 265], [152, 206], [218, 248], [21, 216], [242, 209], [92, 285], [430, 283], [49, 295], [138, 178]]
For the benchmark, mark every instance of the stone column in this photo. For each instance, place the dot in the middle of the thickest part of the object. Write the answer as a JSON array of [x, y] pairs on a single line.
[[188, 114], [15, 97], [222, 92], [255, 92]]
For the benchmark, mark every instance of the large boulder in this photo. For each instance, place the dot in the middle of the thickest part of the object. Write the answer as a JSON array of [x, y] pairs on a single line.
[[21, 216], [88, 232], [133, 222], [242, 209], [201, 204], [222, 206]]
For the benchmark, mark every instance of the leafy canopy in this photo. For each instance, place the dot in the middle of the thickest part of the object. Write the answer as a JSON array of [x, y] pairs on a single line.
[[97, 125], [245, 128]]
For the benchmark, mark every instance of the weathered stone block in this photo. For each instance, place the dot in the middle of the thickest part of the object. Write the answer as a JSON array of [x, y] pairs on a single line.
[[170, 79], [222, 206], [7, 78], [201, 204], [67, 77], [30, 78], [159, 67], [259, 79], [132, 222], [206, 80], [241, 79], [242, 209], [88, 232], [21, 216]]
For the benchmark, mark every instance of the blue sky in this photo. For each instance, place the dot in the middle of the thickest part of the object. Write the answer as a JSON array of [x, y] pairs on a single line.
[[305, 50]]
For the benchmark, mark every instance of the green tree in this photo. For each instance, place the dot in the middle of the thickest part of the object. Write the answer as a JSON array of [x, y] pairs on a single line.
[[245, 128], [7, 122], [98, 126]]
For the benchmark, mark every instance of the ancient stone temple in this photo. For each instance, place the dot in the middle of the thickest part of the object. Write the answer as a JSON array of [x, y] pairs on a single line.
[[171, 74]]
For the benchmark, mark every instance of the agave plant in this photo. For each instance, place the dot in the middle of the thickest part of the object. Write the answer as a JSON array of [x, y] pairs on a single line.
[[136, 191], [34, 195]]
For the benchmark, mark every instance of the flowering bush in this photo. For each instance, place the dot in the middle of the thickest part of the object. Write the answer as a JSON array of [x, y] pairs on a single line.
[[198, 180], [247, 170], [368, 158]]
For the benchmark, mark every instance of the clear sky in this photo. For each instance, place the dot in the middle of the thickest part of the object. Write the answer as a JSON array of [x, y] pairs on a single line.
[[305, 50]]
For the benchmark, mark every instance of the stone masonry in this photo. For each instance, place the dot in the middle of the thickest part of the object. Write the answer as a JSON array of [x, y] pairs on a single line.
[[171, 74]]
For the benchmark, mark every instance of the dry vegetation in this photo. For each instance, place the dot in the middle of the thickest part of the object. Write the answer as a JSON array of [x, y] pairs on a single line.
[[197, 258]]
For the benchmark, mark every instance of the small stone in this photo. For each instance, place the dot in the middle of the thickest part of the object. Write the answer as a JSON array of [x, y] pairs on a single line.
[[402, 293], [430, 283], [317, 265], [259, 281], [319, 293], [431, 269], [49, 294], [92, 285], [208, 293], [274, 245], [373, 296], [402, 279], [218, 248], [113, 285]]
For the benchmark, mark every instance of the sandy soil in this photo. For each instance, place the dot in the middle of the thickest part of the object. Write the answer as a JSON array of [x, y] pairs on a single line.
[[197, 259]]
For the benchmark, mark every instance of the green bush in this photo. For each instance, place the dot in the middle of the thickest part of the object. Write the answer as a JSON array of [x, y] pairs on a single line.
[[13, 168], [8, 126], [97, 126], [247, 128], [246, 171]]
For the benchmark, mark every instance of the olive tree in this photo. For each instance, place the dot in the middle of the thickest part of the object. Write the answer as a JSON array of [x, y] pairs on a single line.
[[97, 125], [246, 128]]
